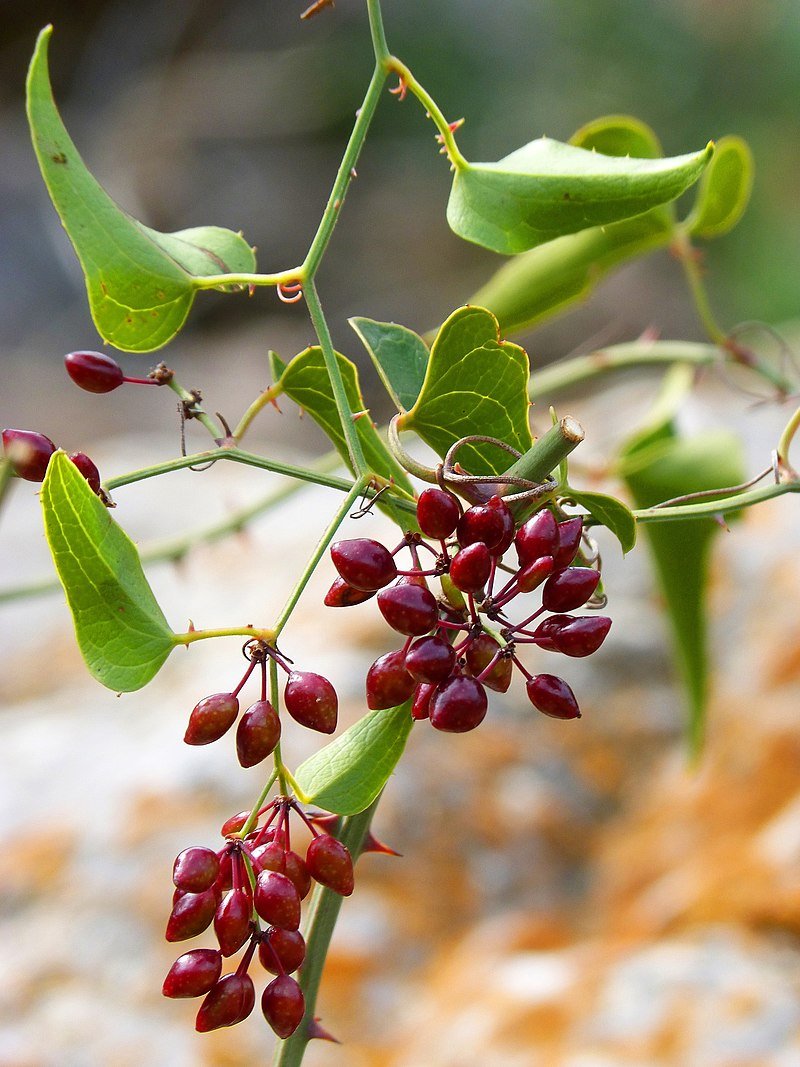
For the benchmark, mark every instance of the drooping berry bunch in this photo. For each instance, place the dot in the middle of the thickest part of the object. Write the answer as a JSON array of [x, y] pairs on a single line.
[[308, 697], [463, 642], [256, 877]]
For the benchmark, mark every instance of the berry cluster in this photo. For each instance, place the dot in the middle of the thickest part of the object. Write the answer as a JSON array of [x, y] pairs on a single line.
[[309, 698], [254, 877], [463, 643]]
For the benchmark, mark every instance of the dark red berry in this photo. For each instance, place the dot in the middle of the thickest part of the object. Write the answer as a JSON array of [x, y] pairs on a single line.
[[480, 524], [277, 900], [94, 371], [297, 872], [311, 700], [420, 707], [195, 869], [342, 595], [430, 659], [87, 469], [552, 696], [211, 718], [547, 630], [287, 945], [458, 705], [533, 574], [409, 608], [193, 973], [537, 537], [569, 589], [470, 568], [28, 453], [257, 734], [232, 921], [283, 1005], [437, 513], [479, 654], [235, 823], [191, 915], [504, 511], [228, 1002], [274, 857], [329, 862], [363, 563], [582, 636], [388, 682], [569, 539]]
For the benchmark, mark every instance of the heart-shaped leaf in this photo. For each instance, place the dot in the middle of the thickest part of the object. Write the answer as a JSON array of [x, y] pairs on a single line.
[[474, 384], [724, 189], [609, 512], [140, 283], [658, 465], [345, 776], [547, 189], [400, 357], [121, 631], [305, 380]]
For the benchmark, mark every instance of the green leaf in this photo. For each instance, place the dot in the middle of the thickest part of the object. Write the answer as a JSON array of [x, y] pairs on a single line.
[[400, 357], [619, 135], [547, 189], [475, 384], [121, 631], [276, 365], [306, 381], [140, 283], [658, 465], [724, 189], [609, 512], [345, 776]]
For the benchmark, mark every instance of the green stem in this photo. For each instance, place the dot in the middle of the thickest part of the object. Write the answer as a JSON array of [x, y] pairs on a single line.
[[252, 818], [710, 508], [357, 490], [547, 452], [214, 281], [322, 916], [434, 111], [570, 372], [255, 633], [194, 410], [682, 247], [6, 478], [379, 45], [343, 409], [280, 769], [270, 394], [344, 176], [785, 442]]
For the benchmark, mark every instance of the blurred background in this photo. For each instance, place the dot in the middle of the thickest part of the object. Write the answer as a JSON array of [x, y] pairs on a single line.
[[576, 897]]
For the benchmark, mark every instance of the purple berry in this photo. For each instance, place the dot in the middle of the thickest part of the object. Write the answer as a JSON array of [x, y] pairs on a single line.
[[228, 1002], [569, 539], [277, 900], [94, 371], [283, 1005], [232, 921], [258, 733], [287, 945], [569, 589], [409, 608], [480, 524], [533, 574], [311, 700], [211, 718], [430, 659], [195, 869], [342, 595], [582, 636], [537, 537], [191, 914], [28, 453], [552, 696], [437, 513], [458, 705], [388, 682], [363, 563], [193, 973], [470, 568], [329, 862]]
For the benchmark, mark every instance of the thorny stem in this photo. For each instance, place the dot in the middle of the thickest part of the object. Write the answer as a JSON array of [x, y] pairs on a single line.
[[643, 353], [434, 111], [269, 396], [713, 508], [193, 408], [255, 633], [280, 769], [322, 915]]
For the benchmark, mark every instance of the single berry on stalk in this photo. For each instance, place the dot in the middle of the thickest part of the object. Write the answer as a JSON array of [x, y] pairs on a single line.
[[458, 705], [228, 1002], [212, 717], [28, 452], [283, 1005], [258, 733], [409, 608], [311, 700], [552, 696], [195, 869], [88, 469], [193, 973], [94, 371], [438, 513], [363, 563], [388, 682], [329, 862]]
